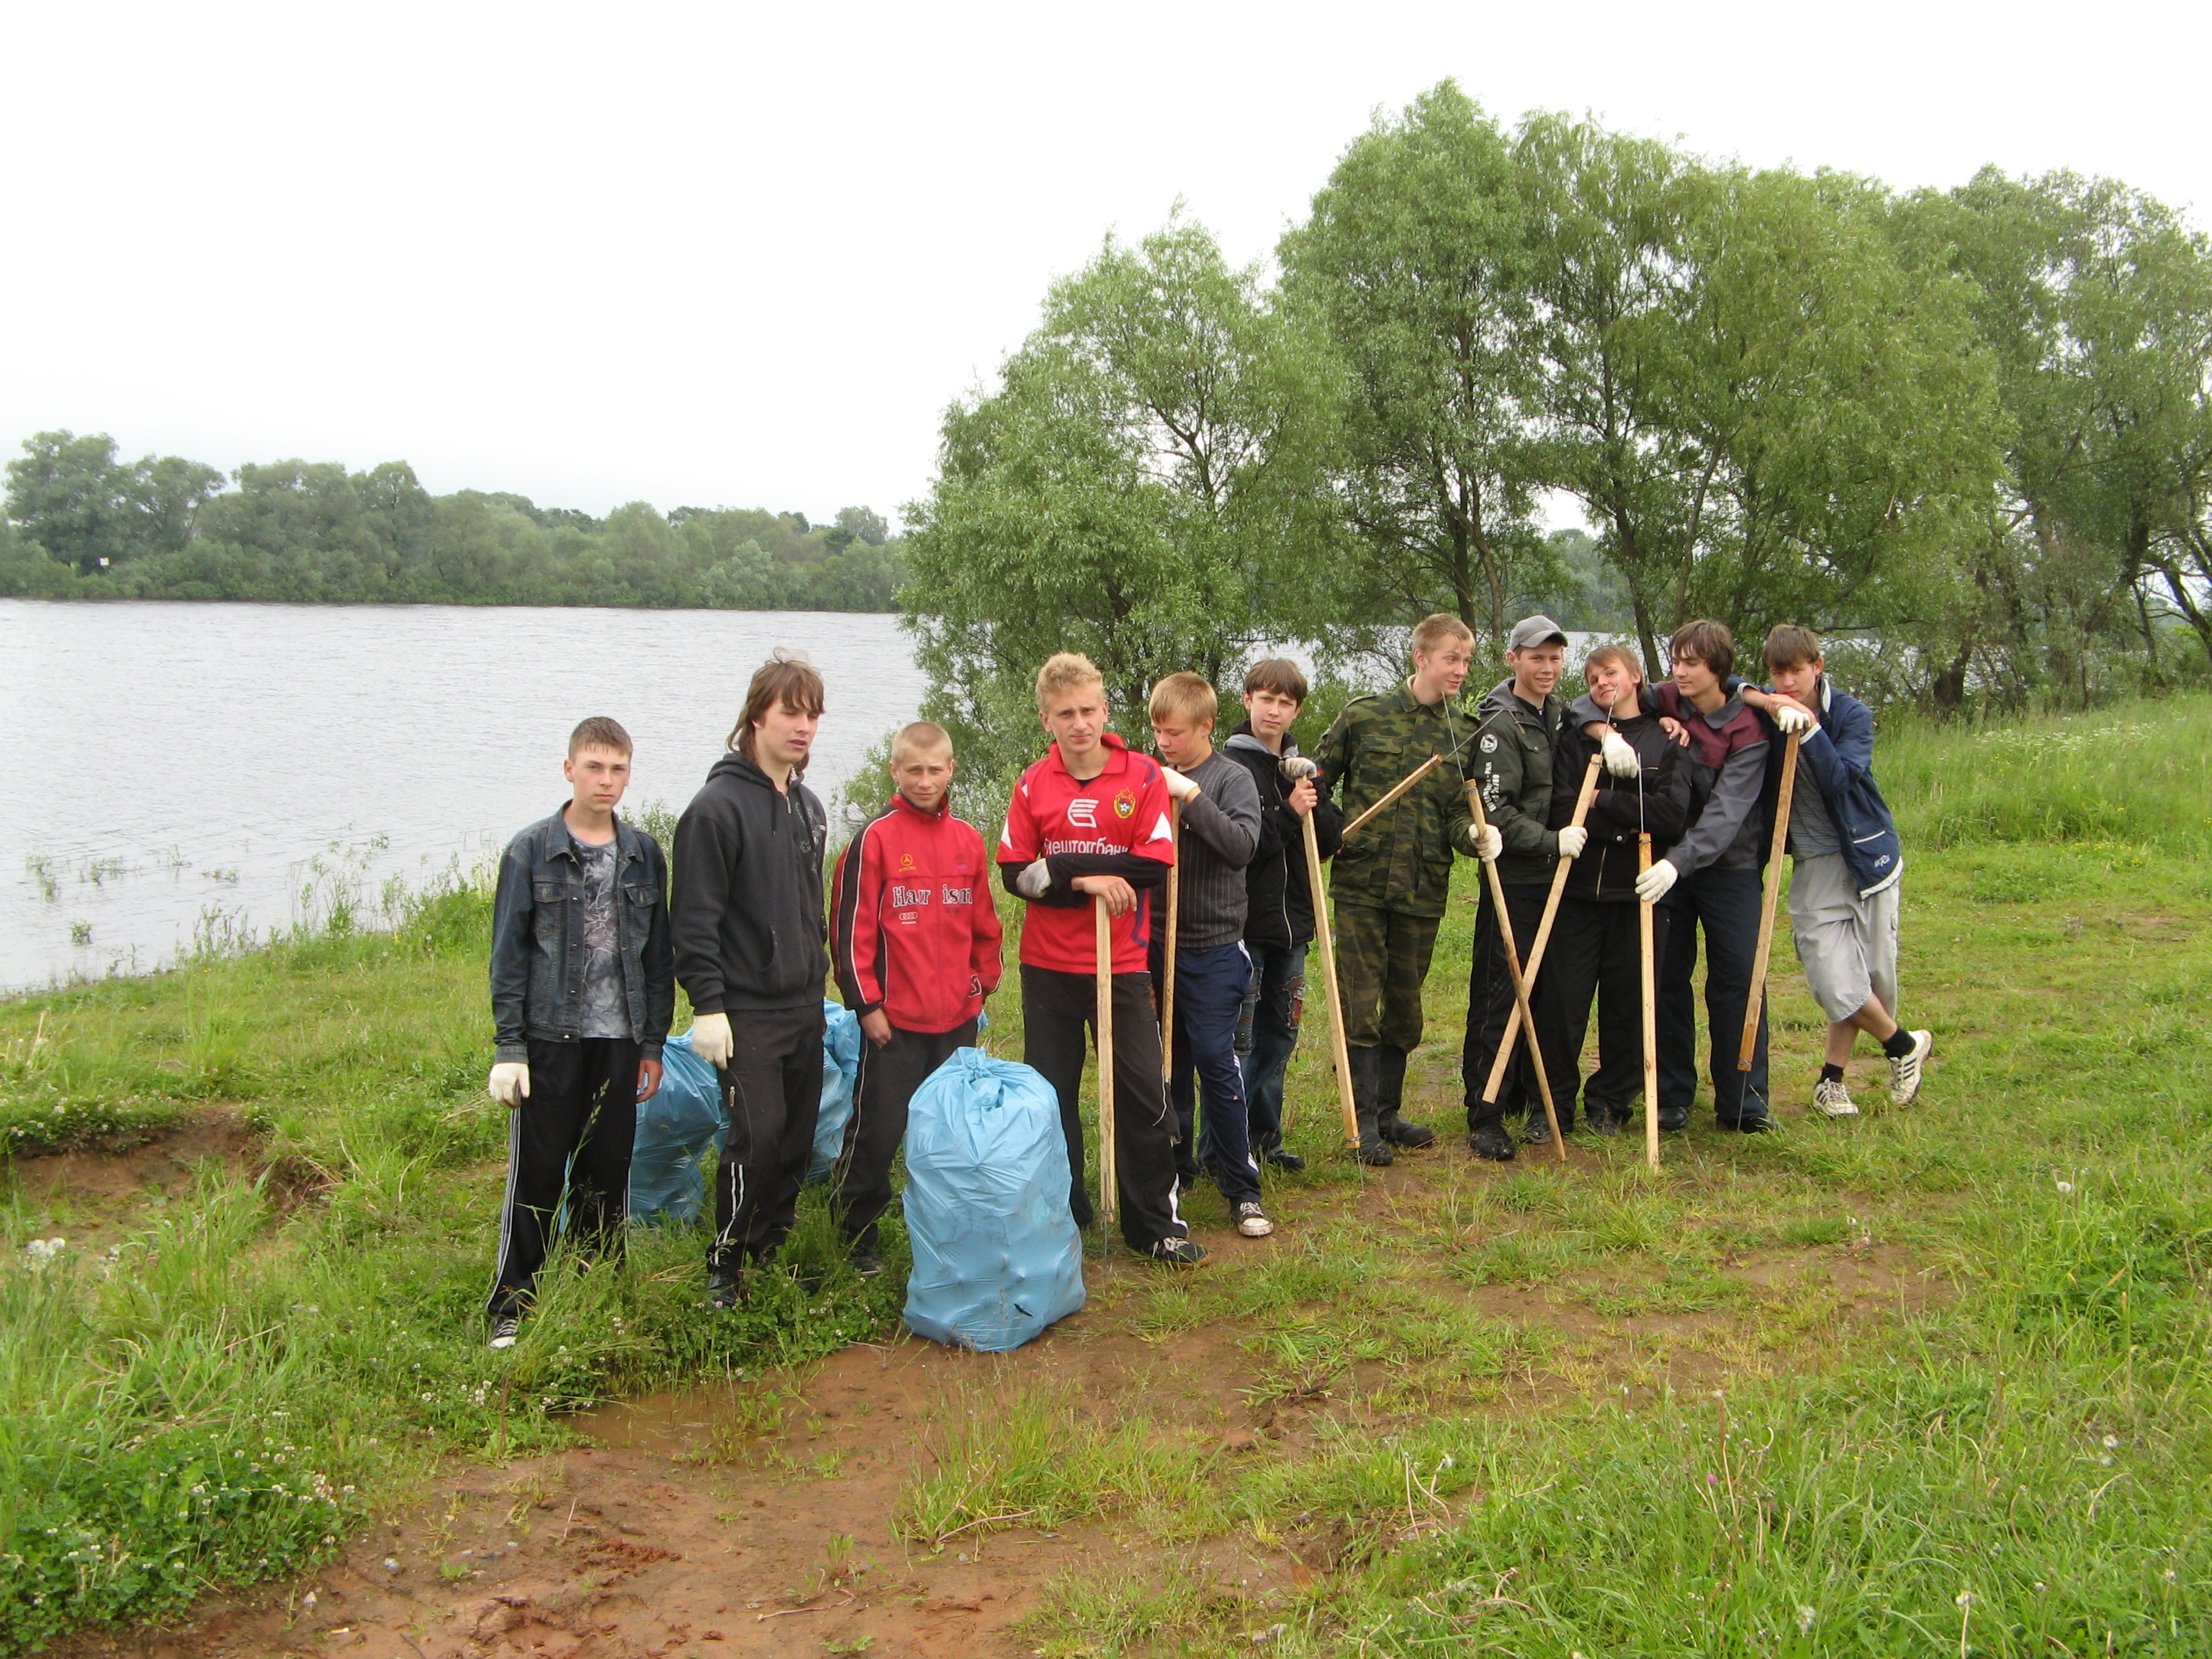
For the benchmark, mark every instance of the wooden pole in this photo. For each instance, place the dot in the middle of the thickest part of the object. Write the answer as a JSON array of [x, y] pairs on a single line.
[[1520, 984], [1651, 1009], [1396, 790], [1167, 978], [1543, 933], [1331, 988], [1755, 1003], [1108, 1186]]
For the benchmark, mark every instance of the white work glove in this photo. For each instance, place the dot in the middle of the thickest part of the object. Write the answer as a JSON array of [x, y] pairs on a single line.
[[1572, 840], [1294, 767], [1182, 788], [711, 1040], [1791, 722], [1487, 842], [1035, 880], [1651, 886], [1620, 755], [510, 1083]]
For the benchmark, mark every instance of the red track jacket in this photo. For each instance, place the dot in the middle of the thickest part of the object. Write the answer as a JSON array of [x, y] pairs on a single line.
[[914, 928]]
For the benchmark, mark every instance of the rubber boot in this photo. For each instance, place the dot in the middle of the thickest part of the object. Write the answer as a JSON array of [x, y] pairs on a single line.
[[1390, 1094], [1365, 1078]]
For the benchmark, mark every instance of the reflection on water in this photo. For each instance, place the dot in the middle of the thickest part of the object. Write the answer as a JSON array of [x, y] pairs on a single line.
[[188, 768]]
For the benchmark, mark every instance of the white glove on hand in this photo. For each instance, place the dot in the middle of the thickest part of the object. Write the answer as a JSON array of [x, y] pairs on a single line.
[[1620, 755], [1487, 842], [1651, 886], [1035, 880], [1294, 767], [1181, 787], [711, 1040], [1792, 722], [510, 1083], [1572, 840]]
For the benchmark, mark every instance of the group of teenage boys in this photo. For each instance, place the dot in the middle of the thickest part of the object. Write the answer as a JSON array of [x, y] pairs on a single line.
[[589, 939]]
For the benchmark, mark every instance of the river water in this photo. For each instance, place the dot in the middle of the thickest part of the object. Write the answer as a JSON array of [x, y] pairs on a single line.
[[184, 769]]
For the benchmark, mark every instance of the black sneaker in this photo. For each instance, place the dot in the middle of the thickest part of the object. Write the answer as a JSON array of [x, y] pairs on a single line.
[[1490, 1142], [1537, 1132], [504, 1330], [1283, 1160], [866, 1262], [726, 1287], [1752, 1125], [1178, 1253]]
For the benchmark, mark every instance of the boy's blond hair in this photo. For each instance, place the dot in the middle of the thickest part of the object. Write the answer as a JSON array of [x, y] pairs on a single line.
[[1610, 652], [1191, 695], [599, 731], [1433, 631], [919, 738], [1063, 671]]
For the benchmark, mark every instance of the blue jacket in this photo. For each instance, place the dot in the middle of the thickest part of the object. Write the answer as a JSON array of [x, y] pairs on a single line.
[[1839, 754], [537, 940]]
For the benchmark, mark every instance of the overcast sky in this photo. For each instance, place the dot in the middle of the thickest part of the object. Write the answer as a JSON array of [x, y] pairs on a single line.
[[704, 254]]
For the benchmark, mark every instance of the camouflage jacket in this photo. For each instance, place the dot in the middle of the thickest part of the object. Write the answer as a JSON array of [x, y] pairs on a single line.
[[1512, 762], [1402, 859]]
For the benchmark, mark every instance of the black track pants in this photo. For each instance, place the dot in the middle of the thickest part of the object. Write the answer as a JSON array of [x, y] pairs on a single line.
[[1594, 951], [771, 1097], [1490, 1005], [574, 1128], [1725, 904], [1057, 1011], [888, 1077]]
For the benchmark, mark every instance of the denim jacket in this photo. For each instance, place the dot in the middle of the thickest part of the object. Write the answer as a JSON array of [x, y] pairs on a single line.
[[537, 940]]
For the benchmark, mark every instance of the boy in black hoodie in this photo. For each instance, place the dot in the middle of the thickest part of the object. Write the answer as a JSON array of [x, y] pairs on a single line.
[[751, 941]]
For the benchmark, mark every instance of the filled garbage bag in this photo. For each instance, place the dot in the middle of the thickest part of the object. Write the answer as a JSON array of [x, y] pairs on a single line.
[[674, 1129], [840, 1070], [996, 1254]]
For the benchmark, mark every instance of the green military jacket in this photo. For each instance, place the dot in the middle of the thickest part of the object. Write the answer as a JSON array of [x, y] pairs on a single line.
[[1512, 762], [1400, 860]]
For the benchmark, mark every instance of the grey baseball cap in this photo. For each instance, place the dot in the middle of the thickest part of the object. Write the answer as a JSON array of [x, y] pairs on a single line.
[[1534, 630]]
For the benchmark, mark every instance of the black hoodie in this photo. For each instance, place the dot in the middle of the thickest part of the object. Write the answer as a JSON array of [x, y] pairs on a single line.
[[1278, 910], [745, 915]]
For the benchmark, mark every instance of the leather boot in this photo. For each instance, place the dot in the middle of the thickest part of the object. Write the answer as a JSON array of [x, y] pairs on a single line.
[[1365, 1078], [1390, 1094], [1486, 1134]]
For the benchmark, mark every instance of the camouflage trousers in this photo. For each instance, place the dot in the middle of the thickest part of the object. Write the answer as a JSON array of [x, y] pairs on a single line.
[[1382, 957]]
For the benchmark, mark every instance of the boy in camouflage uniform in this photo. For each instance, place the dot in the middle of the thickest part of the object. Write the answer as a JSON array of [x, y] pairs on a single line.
[[1391, 878]]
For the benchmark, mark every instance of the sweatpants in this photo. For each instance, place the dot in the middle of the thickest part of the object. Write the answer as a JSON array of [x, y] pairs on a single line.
[[1846, 945], [1490, 1005], [1267, 1036], [1058, 1009], [1210, 986], [574, 1128], [1595, 951], [888, 1077], [771, 1097], [1725, 903]]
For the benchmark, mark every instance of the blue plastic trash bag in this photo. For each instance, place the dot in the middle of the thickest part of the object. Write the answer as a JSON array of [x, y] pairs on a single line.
[[841, 1069], [673, 1129], [996, 1255]]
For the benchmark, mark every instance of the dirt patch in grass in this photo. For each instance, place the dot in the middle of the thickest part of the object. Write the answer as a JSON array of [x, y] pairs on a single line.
[[100, 1194]]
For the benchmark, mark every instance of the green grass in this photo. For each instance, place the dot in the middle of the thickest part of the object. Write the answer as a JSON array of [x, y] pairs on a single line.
[[1792, 1396]]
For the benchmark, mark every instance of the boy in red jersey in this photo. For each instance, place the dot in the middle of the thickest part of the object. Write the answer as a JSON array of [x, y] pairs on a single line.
[[1089, 822], [916, 943]]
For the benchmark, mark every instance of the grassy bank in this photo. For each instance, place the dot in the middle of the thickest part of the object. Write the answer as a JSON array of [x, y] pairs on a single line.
[[1693, 1443]]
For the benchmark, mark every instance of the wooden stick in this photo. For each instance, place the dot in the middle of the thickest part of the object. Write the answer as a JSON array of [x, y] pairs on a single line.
[[1107, 1184], [1651, 1010], [1543, 933], [1755, 1003], [1520, 984], [1174, 904], [1331, 988], [1396, 790]]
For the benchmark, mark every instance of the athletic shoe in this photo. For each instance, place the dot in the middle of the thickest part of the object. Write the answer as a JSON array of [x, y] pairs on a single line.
[[866, 1262], [726, 1287], [1283, 1160], [1746, 1125], [1178, 1253], [1537, 1132], [504, 1330], [1604, 1123], [1831, 1097], [1492, 1143], [1904, 1070], [1252, 1221]]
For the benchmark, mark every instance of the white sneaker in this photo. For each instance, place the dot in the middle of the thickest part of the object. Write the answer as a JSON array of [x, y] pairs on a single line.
[[1831, 1097], [1904, 1071], [504, 1330], [1252, 1221]]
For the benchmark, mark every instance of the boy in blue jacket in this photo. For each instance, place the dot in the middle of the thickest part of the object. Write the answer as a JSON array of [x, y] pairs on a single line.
[[1845, 860]]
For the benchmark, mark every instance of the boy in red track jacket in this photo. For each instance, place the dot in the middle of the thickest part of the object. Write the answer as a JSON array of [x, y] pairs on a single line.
[[916, 940]]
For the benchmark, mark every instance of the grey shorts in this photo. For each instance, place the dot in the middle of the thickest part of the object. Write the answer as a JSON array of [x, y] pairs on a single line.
[[1846, 945]]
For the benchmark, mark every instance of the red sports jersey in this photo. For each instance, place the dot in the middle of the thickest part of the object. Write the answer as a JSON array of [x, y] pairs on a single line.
[[916, 931], [1123, 809]]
